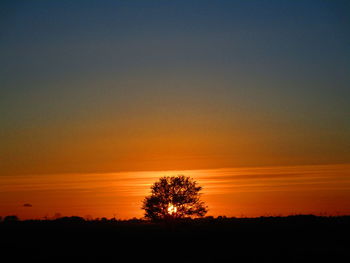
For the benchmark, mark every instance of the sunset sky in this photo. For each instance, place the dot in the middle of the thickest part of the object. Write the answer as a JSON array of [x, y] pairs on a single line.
[[100, 98]]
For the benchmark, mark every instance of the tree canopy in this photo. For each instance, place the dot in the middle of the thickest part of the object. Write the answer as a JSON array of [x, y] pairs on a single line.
[[174, 197]]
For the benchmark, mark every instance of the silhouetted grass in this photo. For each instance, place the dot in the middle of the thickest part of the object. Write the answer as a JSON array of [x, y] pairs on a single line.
[[301, 238]]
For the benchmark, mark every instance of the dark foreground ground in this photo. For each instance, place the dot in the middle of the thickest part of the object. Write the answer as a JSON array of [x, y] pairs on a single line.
[[272, 239]]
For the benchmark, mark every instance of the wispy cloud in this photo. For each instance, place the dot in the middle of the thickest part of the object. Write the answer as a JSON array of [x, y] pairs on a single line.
[[223, 189]]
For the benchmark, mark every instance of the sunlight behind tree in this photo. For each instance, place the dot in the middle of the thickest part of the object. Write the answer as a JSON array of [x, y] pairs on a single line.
[[174, 197]]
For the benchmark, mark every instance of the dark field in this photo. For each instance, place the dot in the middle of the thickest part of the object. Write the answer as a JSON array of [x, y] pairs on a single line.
[[277, 239]]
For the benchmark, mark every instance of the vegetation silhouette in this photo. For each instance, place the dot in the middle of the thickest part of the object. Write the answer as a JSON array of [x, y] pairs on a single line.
[[174, 197], [11, 218], [70, 219], [301, 238]]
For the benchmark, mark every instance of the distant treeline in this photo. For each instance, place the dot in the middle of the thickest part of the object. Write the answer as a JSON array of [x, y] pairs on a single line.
[[78, 219], [297, 238]]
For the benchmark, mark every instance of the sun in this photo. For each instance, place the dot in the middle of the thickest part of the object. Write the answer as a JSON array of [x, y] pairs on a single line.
[[171, 209]]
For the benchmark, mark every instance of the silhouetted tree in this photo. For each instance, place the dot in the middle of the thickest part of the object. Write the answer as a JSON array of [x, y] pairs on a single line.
[[174, 197]]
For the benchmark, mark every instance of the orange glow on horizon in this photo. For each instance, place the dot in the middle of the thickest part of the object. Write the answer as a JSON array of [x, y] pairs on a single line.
[[250, 191]]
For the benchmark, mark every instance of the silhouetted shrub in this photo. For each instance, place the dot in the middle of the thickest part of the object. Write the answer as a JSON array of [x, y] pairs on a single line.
[[11, 218], [70, 219]]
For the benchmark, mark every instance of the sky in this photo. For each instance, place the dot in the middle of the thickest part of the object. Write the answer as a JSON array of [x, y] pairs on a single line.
[[101, 87], [233, 192]]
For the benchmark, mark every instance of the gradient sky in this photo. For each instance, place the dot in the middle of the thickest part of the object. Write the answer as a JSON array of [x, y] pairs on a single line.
[[245, 191], [135, 85], [112, 86]]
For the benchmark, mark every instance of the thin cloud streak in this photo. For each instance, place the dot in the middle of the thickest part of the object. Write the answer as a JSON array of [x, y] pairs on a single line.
[[225, 190]]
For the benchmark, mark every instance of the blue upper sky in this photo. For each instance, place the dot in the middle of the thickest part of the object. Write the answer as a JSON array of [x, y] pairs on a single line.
[[272, 67]]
